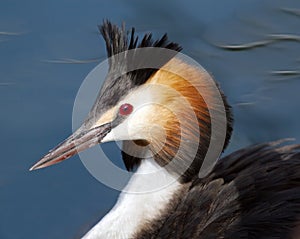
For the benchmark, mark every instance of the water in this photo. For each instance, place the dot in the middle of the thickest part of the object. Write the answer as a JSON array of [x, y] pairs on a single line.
[[235, 41]]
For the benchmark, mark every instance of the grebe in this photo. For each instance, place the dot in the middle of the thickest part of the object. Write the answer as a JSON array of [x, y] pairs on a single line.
[[251, 193]]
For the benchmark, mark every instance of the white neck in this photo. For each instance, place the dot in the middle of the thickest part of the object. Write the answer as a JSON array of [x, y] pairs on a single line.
[[148, 192]]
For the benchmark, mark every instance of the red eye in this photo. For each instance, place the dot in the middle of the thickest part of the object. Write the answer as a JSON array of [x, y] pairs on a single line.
[[125, 109]]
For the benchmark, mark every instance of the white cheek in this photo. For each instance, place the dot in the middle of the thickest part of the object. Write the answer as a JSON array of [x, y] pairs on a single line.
[[133, 127], [136, 125]]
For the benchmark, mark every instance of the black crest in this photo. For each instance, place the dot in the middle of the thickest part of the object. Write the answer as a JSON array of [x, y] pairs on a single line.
[[118, 40], [126, 63]]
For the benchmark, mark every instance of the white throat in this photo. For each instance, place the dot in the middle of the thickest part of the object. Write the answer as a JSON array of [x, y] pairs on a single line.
[[148, 192]]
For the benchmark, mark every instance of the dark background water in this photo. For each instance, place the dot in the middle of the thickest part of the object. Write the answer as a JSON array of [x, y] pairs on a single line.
[[251, 47]]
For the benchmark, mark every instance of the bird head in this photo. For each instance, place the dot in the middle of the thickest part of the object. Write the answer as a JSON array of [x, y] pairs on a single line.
[[163, 111]]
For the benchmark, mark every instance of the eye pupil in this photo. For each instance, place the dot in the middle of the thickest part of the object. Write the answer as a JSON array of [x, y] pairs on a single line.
[[126, 109]]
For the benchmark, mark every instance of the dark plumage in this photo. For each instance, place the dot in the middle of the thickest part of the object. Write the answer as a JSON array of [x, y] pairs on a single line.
[[253, 193]]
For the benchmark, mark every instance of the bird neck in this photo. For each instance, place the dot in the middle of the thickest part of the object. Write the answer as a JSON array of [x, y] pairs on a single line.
[[145, 198]]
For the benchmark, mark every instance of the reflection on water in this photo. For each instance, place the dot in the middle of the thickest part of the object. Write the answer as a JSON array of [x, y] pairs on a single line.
[[47, 48]]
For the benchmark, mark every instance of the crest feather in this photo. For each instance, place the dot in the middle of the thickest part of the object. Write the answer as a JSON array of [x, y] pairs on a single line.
[[117, 39], [121, 78]]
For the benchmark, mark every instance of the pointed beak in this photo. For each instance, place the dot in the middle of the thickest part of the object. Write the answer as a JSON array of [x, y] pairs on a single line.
[[77, 142]]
